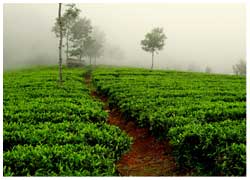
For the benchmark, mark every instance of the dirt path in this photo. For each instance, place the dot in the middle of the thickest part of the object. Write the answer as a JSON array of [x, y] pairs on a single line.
[[147, 156]]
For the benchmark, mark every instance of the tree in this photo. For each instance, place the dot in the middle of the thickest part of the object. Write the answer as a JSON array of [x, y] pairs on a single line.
[[153, 42], [80, 31], [68, 19], [208, 69], [60, 42], [89, 47], [193, 67], [113, 52], [96, 49], [240, 67]]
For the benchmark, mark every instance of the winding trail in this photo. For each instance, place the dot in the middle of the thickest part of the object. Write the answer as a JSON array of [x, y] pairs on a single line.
[[147, 156]]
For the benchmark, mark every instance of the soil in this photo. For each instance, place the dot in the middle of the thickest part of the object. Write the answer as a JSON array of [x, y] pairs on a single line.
[[147, 156]]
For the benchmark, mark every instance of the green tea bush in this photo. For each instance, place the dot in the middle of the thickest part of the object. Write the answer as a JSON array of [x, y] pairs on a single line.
[[203, 115], [53, 129], [59, 160], [206, 147]]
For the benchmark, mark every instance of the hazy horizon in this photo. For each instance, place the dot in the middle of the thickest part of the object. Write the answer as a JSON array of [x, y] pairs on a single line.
[[199, 35]]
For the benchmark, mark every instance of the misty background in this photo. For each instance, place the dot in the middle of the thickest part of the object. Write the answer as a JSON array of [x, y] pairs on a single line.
[[198, 35]]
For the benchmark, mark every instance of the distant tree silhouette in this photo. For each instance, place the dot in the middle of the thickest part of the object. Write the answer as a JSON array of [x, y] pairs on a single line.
[[208, 69], [60, 42], [240, 67], [81, 37]]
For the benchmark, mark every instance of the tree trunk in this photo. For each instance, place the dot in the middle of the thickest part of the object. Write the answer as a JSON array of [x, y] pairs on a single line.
[[152, 60], [95, 60], [90, 60], [67, 44], [60, 43]]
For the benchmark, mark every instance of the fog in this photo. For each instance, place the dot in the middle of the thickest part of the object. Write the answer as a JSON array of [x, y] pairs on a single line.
[[198, 35]]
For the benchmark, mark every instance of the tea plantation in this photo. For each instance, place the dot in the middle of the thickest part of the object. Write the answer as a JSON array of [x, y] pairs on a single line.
[[53, 129], [203, 115], [56, 130]]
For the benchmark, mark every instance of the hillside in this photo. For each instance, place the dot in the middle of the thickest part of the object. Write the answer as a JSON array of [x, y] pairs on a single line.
[[53, 129]]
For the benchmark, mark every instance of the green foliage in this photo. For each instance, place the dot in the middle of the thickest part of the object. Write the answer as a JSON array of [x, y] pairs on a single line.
[[154, 41], [68, 18], [36, 97], [58, 160], [56, 130], [212, 148], [80, 37], [65, 133], [202, 114]]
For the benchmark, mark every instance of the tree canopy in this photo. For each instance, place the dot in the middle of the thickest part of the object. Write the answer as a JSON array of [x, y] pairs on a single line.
[[154, 41], [80, 38], [68, 19]]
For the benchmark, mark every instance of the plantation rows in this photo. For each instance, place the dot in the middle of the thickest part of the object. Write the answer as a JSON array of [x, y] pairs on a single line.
[[203, 115], [56, 130]]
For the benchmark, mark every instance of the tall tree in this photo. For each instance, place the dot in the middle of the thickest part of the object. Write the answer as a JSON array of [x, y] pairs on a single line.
[[154, 41], [81, 31], [89, 48], [208, 69], [94, 45], [60, 42], [68, 19], [98, 46], [113, 52], [240, 67]]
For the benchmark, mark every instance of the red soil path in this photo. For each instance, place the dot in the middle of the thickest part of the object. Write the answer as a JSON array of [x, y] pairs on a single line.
[[147, 156]]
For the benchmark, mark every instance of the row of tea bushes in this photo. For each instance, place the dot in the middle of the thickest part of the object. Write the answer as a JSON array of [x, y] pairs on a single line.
[[173, 105], [53, 129]]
